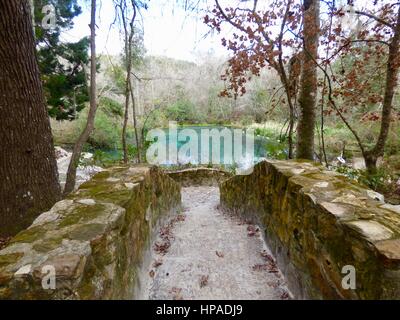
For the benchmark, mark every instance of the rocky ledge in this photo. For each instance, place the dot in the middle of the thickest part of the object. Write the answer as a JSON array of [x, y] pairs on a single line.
[[91, 245], [334, 239]]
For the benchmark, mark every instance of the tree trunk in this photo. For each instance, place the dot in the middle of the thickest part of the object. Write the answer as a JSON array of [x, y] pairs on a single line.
[[76, 154], [128, 85], [28, 169], [309, 82], [126, 117], [371, 157], [135, 125]]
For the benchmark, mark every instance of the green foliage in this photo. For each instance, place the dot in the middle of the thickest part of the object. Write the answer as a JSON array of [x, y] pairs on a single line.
[[107, 132], [111, 107], [62, 64], [381, 181], [182, 111], [259, 99], [376, 181], [106, 158], [277, 149]]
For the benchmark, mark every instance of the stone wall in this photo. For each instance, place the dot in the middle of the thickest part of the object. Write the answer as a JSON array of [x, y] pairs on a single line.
[[95, 240], [316, 223], [199, 177]]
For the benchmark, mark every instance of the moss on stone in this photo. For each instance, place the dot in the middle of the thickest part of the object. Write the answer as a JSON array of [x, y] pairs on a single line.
[[301, 221], [82, 214], [30, 235], [86, 232], [48, 244], [7, 259], [110, 250]]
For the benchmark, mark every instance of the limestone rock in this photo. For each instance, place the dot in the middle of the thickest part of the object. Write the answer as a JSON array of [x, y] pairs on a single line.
[[94, 241], [316, 223]]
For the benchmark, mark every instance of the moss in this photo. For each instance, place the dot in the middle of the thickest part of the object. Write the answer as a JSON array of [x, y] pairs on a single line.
[[106, 192], [112, 250], [87, 232], [82, 214], [8, 259], [30, 235], [304, 229], [48, 244]]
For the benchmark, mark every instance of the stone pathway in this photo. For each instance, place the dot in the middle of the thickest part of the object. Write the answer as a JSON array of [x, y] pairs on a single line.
[[205, 254]]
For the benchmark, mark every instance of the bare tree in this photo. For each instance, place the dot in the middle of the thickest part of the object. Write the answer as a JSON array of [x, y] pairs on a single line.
[[76, 154], [129, 33]]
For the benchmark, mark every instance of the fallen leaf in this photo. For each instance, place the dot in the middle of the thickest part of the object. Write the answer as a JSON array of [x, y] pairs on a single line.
[[203, 281], [285, 296], [162, 247], [176, 293], [157, 263], [181, 218], [152, 273], [219, 254], [267, 257], [273, 284]]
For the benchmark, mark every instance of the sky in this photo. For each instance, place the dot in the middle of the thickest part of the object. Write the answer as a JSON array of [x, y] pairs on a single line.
[[169, 30]]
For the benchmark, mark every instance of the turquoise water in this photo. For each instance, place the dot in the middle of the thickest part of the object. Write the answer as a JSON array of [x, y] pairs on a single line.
[[263, 148], [208, 148]]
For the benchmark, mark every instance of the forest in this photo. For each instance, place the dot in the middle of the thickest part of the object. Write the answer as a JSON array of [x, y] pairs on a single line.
[[316, 81], [336, 105]]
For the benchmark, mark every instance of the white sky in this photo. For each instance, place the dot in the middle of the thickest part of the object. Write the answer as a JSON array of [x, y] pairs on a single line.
[[169, 30]]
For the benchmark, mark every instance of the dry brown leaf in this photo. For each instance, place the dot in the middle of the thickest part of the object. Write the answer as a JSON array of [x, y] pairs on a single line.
[[203, 281], [285, 296], [176, 293], [157, 263]]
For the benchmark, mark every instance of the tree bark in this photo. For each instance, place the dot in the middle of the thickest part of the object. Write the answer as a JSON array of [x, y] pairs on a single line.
[[309, 82], [129, 34], [76, 154], [371, 157], [28, 168], [135, 125]]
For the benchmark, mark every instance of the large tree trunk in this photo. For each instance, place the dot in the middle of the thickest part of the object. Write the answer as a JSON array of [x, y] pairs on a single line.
[[71, 175], [28, 169], [309, 84], [371, 157]]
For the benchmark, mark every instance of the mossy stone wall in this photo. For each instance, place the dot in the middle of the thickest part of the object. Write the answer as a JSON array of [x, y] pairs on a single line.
[[317, 222], [95, 240], [199, 177]]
